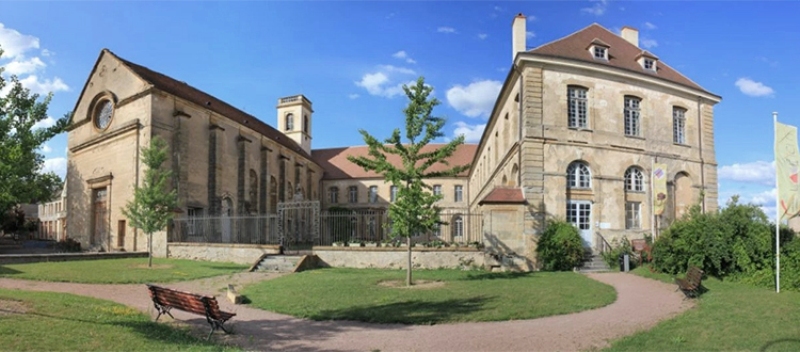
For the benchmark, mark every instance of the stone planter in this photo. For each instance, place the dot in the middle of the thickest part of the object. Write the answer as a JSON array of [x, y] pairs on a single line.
[[355, 245], [370, 244]]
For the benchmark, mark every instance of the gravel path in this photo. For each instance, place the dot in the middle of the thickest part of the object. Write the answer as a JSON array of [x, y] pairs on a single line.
[[640, 304]]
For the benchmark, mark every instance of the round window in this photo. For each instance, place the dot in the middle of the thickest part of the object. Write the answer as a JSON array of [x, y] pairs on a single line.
[[103, 113]]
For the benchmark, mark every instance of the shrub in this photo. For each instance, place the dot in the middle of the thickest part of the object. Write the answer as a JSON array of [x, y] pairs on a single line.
[[619, 247], [68, 245], [560, 247]]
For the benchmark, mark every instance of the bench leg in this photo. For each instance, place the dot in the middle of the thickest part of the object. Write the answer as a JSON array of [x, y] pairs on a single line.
[[163, 310], [216, 325]]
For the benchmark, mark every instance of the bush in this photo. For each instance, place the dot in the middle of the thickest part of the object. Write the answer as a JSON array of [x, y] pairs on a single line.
[[560, 247], [68, 245], [619, 247]]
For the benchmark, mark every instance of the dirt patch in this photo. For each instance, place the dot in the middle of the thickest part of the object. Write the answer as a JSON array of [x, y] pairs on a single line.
[[9, 307], [155, 266], [418, 284]]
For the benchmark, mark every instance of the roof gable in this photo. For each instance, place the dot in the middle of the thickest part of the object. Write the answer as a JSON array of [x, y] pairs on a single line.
[[622, 54]]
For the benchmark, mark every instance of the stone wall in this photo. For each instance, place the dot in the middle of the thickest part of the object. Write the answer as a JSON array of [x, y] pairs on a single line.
[[396, 258], [219, 252], [63, 257]]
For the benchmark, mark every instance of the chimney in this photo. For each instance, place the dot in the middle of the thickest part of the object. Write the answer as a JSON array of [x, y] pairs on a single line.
[[518, 35], [631, 35]]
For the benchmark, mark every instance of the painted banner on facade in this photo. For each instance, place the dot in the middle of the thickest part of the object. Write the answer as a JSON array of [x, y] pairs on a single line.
[[659, 188], [787, 161]]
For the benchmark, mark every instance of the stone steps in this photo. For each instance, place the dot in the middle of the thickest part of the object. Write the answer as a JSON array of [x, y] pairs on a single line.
[[277, 263], [594, 263]]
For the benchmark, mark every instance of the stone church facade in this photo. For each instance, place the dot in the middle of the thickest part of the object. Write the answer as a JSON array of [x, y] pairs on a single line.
[[574, 133]]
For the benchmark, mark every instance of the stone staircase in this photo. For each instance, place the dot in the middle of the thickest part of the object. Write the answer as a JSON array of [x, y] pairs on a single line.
[[277, 263], [594, 263]]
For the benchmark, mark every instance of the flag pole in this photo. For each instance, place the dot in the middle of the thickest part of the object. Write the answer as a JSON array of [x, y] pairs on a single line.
[[777, 212]]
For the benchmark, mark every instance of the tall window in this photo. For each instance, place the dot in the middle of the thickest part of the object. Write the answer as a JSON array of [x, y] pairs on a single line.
[[634, 180], [578, 175], [393, 193], [437, 190], [633, 218], [458, 226], [289, 122], [577, 107], [193, 226], [632, 116], [353, 193], [678, 125], [333, 193], [305, 123], [459, 193], [373, 194]]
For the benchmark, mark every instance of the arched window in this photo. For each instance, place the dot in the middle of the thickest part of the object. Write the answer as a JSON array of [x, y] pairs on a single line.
[[634, 179], [457, 226], [578, 175], [305, 123], [289, 122]]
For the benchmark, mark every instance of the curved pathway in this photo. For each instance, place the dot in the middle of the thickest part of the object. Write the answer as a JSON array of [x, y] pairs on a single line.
[[640, 304]]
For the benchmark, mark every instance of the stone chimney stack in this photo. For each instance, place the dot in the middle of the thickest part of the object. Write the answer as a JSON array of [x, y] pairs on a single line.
[[631, 35], [518, 35]]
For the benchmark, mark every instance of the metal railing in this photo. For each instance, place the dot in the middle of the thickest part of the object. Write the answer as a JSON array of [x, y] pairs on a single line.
[[603, 244], [334, 226]]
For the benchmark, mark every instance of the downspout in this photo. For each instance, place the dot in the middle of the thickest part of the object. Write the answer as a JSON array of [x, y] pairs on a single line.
[[702, 161], [136, 182], [520, 134]]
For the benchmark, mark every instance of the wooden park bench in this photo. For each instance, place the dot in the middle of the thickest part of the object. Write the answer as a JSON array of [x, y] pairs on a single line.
[[165, 299], [691, 286]]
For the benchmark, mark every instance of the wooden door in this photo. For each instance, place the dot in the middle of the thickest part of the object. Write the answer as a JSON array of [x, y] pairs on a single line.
[[121, 234]]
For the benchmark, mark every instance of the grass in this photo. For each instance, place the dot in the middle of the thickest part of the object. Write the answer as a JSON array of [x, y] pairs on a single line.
[[118, 271], [46, 321], [730, 316], [355, 294]]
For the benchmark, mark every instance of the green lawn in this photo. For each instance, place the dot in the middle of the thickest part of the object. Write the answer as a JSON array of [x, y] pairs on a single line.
[[119, 271], [729, 317], [354, 294], [45, 321]]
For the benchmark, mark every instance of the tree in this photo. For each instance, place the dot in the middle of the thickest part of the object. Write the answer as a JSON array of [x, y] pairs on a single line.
[[414, 211], [21, 177], [153, 204]]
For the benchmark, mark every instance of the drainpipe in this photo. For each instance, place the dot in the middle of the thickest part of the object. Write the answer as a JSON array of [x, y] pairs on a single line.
[[700, 147], [521, 120]]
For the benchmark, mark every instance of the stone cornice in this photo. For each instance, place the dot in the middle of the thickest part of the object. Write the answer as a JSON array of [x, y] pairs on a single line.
[[129, 126]]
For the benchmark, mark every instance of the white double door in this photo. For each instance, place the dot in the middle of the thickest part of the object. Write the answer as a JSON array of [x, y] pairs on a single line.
[[579, 213]]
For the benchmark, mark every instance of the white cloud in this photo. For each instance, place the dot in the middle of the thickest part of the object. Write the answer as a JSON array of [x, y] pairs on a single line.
[[531, 18], [446, 30], [14, 43], [404, 56], [530, 34], [387, 81], [47, 53], [482, 36], [598, 9], [649, 25], [753, 88], [353, 96], [43, 86], [46, 148], [475, 99], [47, 122], [762, 172], [57, 165], [649, 43], [472, 133], [21, 67]]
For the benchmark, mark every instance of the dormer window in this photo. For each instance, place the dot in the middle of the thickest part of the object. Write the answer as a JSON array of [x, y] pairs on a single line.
[[648, 61], [600, 52], [649, 64]]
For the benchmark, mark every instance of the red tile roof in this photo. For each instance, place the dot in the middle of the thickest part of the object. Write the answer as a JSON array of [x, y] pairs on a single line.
[[184, 91], [504, 195], [622, 54], [334, 161]]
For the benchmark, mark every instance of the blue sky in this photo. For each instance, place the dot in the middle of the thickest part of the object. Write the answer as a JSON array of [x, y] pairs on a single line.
[[349, 59]]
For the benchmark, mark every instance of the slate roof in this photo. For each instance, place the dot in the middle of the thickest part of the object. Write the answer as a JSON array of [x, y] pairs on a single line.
[[622, 54], [184, 91], [334, 161]]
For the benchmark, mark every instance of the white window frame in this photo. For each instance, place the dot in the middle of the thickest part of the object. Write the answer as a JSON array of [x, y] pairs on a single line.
[[649, 62], [458, 193], [437, 190], [352, 194], [458, 226], [633, 116], [289, 121], [579, 176], [601, 50], [633, 215], [577, 107], [373, 194], [393, 193], [678, 125], [634, 179], [333, 194], [192, 224]]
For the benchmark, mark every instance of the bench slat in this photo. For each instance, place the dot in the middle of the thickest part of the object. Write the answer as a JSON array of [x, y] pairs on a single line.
[[188, 302]]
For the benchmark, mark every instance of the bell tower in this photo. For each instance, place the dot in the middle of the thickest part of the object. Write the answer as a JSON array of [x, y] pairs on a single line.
[[294, 119]]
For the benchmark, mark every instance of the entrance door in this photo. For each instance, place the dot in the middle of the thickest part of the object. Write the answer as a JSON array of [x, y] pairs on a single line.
[[579, 213], [100, 210]]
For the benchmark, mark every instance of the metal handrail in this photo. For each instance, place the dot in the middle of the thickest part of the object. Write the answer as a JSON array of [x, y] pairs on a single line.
[[604, 245]]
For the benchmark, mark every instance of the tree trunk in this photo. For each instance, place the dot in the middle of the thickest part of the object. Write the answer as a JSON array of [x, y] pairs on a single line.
[[150, 250], [408, 268]]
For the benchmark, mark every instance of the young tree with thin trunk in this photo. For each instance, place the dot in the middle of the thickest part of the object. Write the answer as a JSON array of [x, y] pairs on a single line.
[[21, 114], [414, 211], [153, 204]]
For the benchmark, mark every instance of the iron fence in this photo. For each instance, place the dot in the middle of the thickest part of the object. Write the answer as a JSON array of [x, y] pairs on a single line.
[[332, 226]]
